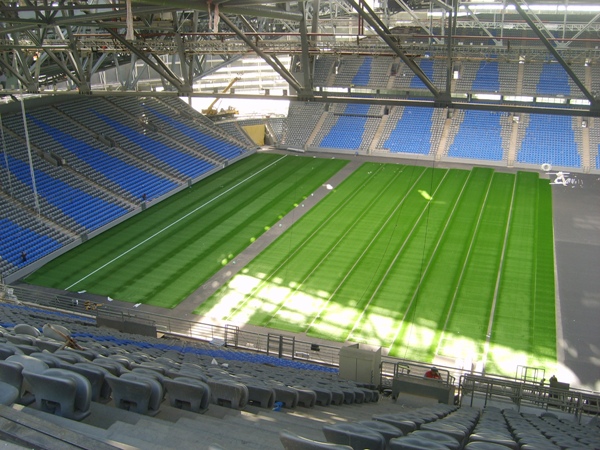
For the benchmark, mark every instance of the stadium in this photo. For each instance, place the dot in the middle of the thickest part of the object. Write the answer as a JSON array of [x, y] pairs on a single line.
[[177, 254]]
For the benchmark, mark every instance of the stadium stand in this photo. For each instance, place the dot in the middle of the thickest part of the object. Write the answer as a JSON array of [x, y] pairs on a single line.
[[324, 66], [195, 139], [531, 78], [594, 134], [349, 127], [345, 132], [99, 162], [107, 384], [481, 135], [132, 136], [23, 233], [235, 129], [276, 125], [549, 139], [301, 121], [487, 78], [460, 137], [57, 197], [409, 121], [88, 175], [553, 80]]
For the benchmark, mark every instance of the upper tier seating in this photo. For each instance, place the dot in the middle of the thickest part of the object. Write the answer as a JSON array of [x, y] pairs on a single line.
[[323, 69], [553, 80], [487, 78], [194, 136], [236, 129], [594, 133], [101, 115], [349, 127]]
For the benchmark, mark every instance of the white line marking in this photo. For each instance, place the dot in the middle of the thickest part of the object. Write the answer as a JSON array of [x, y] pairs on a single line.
[[173, 223]]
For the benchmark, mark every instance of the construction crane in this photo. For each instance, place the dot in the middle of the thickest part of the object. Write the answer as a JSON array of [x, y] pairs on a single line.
[[222, 113]]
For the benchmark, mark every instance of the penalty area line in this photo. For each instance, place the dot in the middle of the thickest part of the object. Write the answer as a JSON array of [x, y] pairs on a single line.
[[172, 224]]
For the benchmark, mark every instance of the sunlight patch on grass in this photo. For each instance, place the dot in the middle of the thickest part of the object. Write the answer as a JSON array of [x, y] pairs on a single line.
[[244, 284], [376, 328]]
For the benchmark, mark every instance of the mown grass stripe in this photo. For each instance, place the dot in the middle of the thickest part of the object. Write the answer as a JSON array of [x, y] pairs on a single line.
[[409, 335], [357, 246], [86, 258], [314, 253], [257, 277], [543, 305], [342, 257], [362, 288], [345, 307], [510, 334], [440, 286], [469, 320]]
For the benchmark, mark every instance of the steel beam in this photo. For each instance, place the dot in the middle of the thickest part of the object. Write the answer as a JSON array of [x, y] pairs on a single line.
[[557, 56], [443, 5], [410, 12], [325, 98], [158, 66], [478, 22], [580, 32], [285, 74], [380, 28]]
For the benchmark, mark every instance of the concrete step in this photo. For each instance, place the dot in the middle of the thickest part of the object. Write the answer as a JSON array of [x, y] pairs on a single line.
[[240, 435], [277, 422], [36, 429], [137, 437], [79, 427], [346, 413]]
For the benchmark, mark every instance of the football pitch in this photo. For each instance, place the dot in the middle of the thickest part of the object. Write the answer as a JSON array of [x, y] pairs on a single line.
[[426, 262], [423, 261]]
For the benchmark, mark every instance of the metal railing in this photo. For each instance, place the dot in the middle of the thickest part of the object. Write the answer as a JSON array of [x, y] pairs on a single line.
[[572, 401], [391, 369], [519, 392], [280, 345]]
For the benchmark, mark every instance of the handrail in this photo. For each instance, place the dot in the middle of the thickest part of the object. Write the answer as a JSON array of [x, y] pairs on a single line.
[[517, 391], [523, 393], [228, 335]]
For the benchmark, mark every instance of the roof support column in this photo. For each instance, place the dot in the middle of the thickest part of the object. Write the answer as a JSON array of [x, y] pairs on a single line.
[[306, 68]]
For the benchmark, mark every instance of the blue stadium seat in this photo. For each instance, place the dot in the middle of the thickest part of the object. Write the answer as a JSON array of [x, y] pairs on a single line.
[[184, 163], [479, 137], [549, 139], [412, 133]]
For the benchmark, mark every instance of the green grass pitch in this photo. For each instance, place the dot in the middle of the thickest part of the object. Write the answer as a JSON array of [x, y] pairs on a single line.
[[160, 256], [424, 261]]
